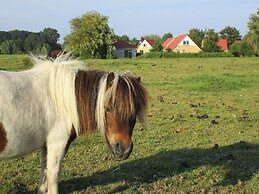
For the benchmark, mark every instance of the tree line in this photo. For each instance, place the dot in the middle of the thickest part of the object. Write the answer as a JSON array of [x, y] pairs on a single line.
[[92, 37], [20, 41]]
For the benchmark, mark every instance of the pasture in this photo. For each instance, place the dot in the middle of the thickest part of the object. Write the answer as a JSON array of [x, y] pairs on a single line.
[[202, 136]]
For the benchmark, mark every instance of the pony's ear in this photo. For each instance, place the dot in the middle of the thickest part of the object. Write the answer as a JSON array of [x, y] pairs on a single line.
[[110, 77], [138, 79]]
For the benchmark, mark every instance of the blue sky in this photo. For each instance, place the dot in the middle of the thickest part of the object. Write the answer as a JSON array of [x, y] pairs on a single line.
[[134, 18]]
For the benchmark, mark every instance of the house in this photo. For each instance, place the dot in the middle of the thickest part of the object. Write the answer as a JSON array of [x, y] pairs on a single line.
[[145, 46], [182, 44], [223, 44], [123, 49]]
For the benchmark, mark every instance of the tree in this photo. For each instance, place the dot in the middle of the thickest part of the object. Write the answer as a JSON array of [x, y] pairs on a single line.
[[241, 48], [210, 41], [231, 34], [158, 45], [253, 25], [152, 37], [166, 36], [91, 36], [35, 43], [134, 41], [123, 37], [7, 47], [4, 36], [197, 36], [52, 36]]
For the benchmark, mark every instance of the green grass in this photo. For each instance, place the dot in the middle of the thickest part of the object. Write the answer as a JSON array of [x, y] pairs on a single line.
[[202, 137]]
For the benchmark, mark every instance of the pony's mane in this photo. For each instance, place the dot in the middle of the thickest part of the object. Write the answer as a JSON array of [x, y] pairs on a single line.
[[62, 76], [83, 95]]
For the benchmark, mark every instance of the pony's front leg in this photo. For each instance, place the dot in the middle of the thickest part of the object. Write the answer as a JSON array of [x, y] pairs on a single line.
[[55, 156], [43, 187]]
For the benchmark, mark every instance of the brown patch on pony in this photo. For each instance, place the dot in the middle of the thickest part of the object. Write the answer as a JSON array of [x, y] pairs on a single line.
[[3, 138], [119, 129], [86, 84]]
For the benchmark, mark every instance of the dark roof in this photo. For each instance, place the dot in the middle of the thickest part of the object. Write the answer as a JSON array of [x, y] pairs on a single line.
[[151, 42], [123, 44]]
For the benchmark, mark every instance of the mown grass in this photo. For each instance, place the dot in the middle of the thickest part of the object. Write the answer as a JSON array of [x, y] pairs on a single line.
[[202, 137]]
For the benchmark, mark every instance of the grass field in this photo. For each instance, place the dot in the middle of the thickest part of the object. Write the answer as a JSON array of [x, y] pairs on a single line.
[[202, 137]]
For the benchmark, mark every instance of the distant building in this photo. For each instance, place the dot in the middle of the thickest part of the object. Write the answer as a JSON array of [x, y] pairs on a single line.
[[182, 44], [124, 49], [223, 44], [145, 46]]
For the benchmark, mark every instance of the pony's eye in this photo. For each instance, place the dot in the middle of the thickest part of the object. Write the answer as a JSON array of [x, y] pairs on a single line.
[[109, 109]]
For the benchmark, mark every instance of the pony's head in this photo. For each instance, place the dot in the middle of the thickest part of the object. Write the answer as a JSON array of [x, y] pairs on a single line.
[[111, 102], [121, 101]]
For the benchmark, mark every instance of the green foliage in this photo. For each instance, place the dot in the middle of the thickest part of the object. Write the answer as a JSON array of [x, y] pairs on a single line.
[[171, 54], [197, 36], [253, 25], [210, 41], [154, 37], [242, 48], [134, 41], [166, 36], [231, 34], [157, 47], [51, 35], [7, 47], [16, 42], [123, 37], [91, 36]]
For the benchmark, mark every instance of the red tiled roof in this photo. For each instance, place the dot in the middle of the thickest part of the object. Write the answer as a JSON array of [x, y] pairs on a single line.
[[174, 42], [151, 42], [223, 44], [123, 44], [167, 42]]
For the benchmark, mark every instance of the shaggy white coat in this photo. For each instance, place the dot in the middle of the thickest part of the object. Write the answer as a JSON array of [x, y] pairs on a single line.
[[38, 108]]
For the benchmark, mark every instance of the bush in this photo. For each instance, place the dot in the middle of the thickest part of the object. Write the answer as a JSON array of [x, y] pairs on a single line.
[[185, 55], [241, 48]]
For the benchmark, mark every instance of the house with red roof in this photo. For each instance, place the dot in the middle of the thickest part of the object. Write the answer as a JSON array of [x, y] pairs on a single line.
[[145, 46], [182, 44], [223, 44], [124, 49]]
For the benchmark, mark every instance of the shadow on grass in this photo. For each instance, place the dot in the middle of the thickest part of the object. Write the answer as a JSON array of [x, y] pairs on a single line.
[[241, 161]]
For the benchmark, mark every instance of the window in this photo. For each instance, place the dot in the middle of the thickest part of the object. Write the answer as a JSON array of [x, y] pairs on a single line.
[[186, 42], [144, 45], [126, 53]]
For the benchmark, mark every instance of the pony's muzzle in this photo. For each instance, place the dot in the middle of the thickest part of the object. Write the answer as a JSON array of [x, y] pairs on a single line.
[[120, 151]]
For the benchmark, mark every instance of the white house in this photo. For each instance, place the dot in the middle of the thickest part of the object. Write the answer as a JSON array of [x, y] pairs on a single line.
[[145, 46]]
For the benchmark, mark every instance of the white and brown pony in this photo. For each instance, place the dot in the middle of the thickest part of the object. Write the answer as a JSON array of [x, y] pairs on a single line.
[[50, 105]]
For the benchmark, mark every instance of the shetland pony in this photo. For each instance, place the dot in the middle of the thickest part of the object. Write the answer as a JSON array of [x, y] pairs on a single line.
[[50, 105]]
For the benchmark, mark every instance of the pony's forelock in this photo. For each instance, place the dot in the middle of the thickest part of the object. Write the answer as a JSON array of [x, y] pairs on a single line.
[[121, 95]]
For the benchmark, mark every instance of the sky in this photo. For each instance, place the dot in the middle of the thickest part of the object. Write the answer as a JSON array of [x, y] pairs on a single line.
[[134, 18]]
